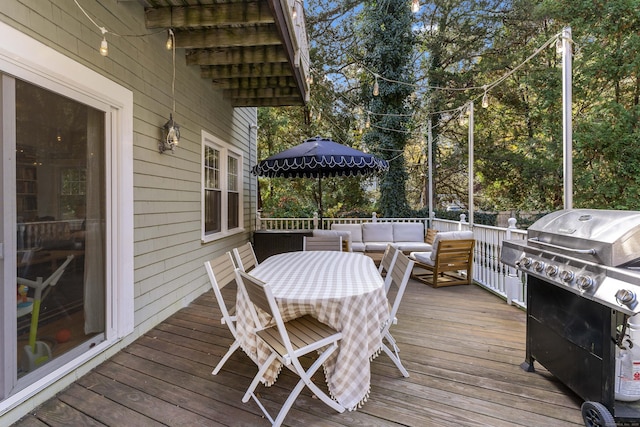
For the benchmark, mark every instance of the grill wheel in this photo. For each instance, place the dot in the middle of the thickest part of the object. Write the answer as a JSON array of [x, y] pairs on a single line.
[[596, 414]]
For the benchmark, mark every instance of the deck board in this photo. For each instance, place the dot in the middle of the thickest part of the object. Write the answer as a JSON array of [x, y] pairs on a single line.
[[461, 345]]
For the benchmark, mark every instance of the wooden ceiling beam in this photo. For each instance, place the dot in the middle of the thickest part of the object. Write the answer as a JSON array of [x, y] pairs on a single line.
[[236, 55], [257, 83], [245, 70], [268, 102], [278, 92], [221, 15], [227, 37]]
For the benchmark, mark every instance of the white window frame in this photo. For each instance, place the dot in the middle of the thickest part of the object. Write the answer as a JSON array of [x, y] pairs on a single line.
[[226, 150], [31, 61]]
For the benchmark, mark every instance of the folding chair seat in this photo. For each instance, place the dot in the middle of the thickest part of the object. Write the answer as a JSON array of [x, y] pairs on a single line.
[[221, 271], [400, 273], [288, 342], [322, 243], [245, 257]]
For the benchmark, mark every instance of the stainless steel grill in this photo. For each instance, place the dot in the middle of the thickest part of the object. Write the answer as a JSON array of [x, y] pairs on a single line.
[[593, 253], [583, 284]]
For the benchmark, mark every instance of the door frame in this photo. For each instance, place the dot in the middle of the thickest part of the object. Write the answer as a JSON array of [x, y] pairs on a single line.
[[32, 61]]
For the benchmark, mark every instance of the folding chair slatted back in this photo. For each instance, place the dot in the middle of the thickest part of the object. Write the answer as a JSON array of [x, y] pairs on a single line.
[[221, 272], [400, 274], [322, 243], [388, 258], [245, 257]]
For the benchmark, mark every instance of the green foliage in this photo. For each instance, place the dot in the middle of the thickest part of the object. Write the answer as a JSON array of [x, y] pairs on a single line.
[[518, 146], [386, 51]]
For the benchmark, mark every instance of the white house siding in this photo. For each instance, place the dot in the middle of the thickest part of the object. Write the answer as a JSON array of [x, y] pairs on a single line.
[[168, 252]]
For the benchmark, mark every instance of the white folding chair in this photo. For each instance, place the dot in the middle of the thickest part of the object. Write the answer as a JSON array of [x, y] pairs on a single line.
[[221, 271], [245, 257], [386, 264], [400, 273], [288, 342], [322, 243]]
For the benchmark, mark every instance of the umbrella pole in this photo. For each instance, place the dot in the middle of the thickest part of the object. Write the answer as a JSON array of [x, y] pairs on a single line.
[[320, 198]]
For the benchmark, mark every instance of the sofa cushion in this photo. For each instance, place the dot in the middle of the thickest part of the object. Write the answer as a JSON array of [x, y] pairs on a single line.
[[408, 232], [377, 232], [375, 246], [357, 247], [355, 229], [413, 246], [449, 235]]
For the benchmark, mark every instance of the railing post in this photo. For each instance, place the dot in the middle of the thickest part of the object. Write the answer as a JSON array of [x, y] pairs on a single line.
[[512, 282], [315, 220], [511, 226], [374, 217], [258, 220], [463, 219]]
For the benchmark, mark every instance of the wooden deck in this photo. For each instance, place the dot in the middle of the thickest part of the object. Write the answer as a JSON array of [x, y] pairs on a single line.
[[462, 347]]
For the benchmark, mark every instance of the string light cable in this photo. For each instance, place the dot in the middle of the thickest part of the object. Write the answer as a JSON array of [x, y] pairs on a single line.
[[104, 46]]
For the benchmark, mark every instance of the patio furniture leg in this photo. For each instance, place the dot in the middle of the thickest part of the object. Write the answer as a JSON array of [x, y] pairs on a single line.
[[234, 347]]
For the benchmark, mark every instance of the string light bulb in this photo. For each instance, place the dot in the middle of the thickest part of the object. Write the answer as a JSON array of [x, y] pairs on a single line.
[[485, 99], [294, 11], [376, 88], [170, 39], [415, 6], [367, 123], [104, 46], [559, 48], [462, 118]]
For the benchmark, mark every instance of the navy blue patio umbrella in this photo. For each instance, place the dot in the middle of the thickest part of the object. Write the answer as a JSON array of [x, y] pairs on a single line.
[[319, 158]]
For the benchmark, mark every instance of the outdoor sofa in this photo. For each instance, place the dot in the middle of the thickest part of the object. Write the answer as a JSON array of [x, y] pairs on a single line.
[[373, 237]]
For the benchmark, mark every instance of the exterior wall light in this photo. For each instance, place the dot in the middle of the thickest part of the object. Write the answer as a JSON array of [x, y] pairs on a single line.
[[170, 136]]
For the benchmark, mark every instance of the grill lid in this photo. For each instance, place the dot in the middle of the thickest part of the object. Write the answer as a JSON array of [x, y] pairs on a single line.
[[608, 237]]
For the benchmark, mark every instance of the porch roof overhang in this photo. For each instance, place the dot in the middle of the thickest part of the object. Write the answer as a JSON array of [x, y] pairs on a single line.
[[255, 51]]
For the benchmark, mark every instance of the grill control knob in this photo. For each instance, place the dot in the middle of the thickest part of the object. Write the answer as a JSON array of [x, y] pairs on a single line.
[[566, 276], [538, 266], [626, 297], [525, 262], [584, 282], [551, 270]]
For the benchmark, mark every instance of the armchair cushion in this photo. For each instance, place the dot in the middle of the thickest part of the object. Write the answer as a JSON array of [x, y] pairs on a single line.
[[413, 246], [449, 235], [422, 257]]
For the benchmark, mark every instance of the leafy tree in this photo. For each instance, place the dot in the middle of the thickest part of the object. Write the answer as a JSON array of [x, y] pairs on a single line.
[[431, 64], [606, 37], [386, 54], [327, 114]]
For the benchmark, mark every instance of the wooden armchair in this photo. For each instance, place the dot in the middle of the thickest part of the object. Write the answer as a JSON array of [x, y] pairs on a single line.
[[430, 235], [452, 253]]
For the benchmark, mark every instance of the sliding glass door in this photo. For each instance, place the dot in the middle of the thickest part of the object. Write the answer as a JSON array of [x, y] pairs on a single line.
[[55, 182]]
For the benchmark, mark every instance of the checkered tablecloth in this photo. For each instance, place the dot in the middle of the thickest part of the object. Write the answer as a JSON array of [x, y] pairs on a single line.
[[343, 290]]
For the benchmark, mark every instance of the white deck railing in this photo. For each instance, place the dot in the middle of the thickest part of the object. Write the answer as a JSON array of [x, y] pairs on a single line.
[[488, 271]]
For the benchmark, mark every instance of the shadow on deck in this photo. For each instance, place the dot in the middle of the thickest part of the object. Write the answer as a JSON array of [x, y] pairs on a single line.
[[462, 347]]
